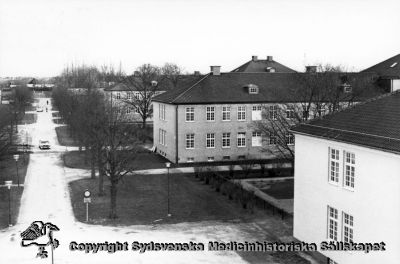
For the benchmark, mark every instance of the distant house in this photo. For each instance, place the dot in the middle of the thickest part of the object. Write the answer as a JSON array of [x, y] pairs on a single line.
[[35, 85], [389, 72], [347, 184], [267, 65], [212, 119]]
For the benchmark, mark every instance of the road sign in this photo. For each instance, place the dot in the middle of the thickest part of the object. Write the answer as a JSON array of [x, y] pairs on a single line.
[[8, 184], [16, 157], [87, 194], [87, 200]]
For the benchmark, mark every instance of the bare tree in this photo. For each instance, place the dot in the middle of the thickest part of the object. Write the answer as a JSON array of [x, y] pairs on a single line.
[[143, 86], [173, 73]]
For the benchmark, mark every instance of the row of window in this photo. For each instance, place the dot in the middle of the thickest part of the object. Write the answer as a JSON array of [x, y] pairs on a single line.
[[256, 140], [337, 164], [226, 113], [128, 110], [211, 159], [129, 95], [347, 225]]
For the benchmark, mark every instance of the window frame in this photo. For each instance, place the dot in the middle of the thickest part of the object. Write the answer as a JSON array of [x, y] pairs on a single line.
[[334, 166], [210, 140], [189, 114], [256, 134], [240, 138], [190, 138], [349, 168], [241, 113], [273, 112], [256, 112], [210, 112], [226, 138], [332, 223], [226, 113], [347, 227]]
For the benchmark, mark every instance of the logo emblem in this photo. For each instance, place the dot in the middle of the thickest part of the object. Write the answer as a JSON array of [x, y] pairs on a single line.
[[41, 235]]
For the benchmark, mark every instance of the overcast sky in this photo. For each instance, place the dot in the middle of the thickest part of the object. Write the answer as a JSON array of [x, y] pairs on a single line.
[[39, 37]]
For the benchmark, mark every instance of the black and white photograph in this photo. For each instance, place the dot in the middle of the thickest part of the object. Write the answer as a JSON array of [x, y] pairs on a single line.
[[200, 131]]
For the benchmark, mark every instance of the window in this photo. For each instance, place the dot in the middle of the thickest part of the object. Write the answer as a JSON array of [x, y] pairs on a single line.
[[190, 141], [128, 95], [161, 112], [190, 159], [273, 112], [241, 139], [136, 95], [189, 114], [253, 89], [210, 113], [118, 95], [256, 113], [241, 114], [334, 166], [289, 137], [256, 139], [272, 138], [332, 223], [226, 157], [128, 110], [350, 160], [347, 228], [290, 113], [226, 113], [210, 159], [161, 137], [210, 140], [347, 88], [226, 140], [242, 157]]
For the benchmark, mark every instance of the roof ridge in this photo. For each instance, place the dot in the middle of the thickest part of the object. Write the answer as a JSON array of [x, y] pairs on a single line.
[[191, 87], [354, 132]]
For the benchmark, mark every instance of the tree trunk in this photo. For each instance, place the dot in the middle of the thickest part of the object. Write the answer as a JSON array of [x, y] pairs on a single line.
[[93, 162], [101, 172], [113, 196], [87, 153]]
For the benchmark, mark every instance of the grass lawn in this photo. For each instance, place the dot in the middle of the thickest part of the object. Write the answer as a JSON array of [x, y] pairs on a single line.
[[142, 199], [63, 136], [281, 190], [8, 172], [144, 160]]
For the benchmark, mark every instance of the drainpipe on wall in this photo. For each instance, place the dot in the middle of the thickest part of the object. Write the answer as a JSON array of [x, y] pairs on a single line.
[[176, 134]]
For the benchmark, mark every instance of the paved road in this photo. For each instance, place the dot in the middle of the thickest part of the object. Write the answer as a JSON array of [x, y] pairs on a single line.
[[46, 198]]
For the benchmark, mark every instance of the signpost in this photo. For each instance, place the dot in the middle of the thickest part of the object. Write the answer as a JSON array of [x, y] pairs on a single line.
[[8, 184], [16, 157], [87, 199]]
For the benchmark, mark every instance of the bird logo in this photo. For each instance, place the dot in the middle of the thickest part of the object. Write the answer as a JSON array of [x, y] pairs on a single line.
[[41, 235]]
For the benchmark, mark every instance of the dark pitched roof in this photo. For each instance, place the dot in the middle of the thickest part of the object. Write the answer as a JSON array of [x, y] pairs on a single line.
[[389, 68], [232, 88], [256, 65], [374, 123]]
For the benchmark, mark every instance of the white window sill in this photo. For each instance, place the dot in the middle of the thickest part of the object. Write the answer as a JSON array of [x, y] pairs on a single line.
[[189, 148], [333, 183], [350, 189], [226, 120], [226, 147], [210, 147], [210, 120]]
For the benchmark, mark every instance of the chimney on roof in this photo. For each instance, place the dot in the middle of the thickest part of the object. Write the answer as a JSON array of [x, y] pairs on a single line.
[[254, 58], [311, 69], [196, 73], [215, 70], [269, 58]]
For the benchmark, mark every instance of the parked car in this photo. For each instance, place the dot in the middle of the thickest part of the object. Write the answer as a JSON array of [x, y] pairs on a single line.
[[39, 109], [44, 144]]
